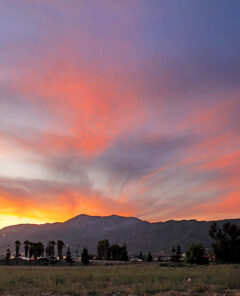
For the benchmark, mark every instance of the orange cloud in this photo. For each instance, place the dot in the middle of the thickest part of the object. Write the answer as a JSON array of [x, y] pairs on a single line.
[[217, 208], [222, 161], [62, 206], [88, 110]]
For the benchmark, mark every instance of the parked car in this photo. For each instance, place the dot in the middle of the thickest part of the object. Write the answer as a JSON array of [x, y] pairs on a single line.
[[136, 260]]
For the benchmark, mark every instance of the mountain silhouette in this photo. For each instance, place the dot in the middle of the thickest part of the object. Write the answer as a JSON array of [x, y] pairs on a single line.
[[85, 231]]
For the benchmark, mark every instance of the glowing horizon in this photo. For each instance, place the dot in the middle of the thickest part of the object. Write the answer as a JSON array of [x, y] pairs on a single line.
[[127, 108], [13, 220]]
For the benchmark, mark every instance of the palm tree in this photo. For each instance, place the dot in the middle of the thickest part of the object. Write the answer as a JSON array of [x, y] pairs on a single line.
[[31, 249], [40, 249], [53, 243], [60, 245], [35, 251], [17, 247], [50, 249], [26, 247]]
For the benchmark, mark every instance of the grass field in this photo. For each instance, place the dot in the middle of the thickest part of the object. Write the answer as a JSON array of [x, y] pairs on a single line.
[[135, 279]]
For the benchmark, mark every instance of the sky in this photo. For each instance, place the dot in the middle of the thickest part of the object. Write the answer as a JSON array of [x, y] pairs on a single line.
[[124, 107]]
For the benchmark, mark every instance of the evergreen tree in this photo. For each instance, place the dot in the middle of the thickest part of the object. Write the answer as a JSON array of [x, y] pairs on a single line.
[[69, 256], [178, 254], [8, 256], [149, 257], [84, 257], [173, 256]]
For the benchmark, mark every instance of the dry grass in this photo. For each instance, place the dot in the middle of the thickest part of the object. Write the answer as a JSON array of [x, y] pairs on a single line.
[[139, 279]]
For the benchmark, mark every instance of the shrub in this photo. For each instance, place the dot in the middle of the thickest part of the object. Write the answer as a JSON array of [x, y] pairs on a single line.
[[196, 254]]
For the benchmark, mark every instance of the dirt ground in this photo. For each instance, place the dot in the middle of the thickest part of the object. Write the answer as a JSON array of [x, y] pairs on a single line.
[[168, 293]]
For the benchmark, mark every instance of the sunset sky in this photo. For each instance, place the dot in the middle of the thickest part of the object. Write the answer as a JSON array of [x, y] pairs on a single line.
[[124, 107]]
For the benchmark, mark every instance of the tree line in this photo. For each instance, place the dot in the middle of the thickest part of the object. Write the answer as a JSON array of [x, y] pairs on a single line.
[[225, 249], [37, 250], [225, 246], [105, 251]]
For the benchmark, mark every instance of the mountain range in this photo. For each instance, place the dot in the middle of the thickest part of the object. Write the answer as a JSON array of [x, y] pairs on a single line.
[[86, 231]]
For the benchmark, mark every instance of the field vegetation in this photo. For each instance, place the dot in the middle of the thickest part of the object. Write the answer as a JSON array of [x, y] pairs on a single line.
[[196, 273], [131, 279]]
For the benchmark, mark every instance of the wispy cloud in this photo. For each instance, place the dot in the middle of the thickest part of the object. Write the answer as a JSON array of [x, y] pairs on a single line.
[[128, 108]]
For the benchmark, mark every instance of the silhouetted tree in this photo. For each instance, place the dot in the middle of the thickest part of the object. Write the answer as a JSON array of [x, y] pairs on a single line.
[[173, 256], [100, 250], [196, 254], [52, 243], [103, 249], [31, 249], [227, 242], [107, 253], [17, 247], [124, 253], [60, 245], [69, 256], [140, 255], [35, 251], [178, 254], [40, 249], [84, 257], [8, 256], [50, 250], [115, 252], [26, 247], [149, 257]]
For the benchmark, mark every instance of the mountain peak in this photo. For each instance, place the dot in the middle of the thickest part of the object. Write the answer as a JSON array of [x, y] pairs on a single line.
[[84, 217]]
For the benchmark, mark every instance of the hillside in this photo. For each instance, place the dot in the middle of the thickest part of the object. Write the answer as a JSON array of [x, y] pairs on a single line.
[[139, 235]]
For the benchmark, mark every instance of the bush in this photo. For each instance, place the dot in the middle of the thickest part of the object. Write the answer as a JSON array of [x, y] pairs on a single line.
[[196, 254]]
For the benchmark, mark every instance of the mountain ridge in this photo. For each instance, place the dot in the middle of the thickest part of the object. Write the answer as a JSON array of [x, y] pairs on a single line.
[[109, 216], [85, 231]]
